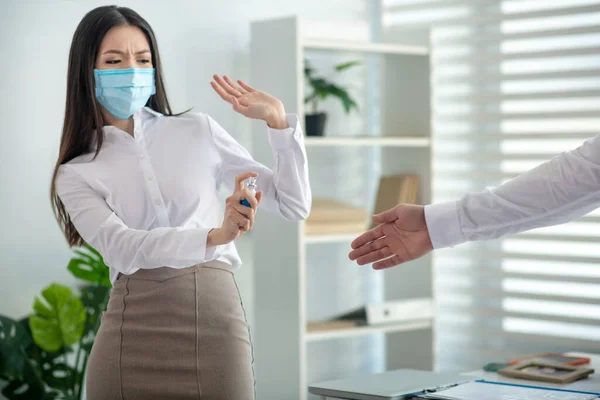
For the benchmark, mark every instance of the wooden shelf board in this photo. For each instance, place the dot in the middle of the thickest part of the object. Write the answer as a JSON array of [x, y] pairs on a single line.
[[367, 330]]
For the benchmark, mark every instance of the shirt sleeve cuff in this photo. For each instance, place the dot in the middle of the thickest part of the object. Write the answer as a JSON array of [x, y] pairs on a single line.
[[286, 138], [443, 224], [211, 252], [196, 244]]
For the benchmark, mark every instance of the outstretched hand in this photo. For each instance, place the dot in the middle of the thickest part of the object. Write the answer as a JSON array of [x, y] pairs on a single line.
[[250, 102], [401, 236]]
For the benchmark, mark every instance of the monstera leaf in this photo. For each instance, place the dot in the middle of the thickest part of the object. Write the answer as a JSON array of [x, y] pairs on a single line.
[[60, 322], [23, 379], [89, 266], [14, 341], [59, 376], [94, 299], [27, 388]]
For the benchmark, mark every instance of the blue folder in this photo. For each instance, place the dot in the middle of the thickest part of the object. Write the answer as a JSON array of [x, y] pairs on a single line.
[[597, 393]]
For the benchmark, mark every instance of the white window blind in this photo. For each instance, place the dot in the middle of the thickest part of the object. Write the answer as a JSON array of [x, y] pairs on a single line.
[[514, 83]]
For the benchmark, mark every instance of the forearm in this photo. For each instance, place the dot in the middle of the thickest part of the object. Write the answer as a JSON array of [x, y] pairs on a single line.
[[126, 249], [278, 119], [286, 188], [558, 191]]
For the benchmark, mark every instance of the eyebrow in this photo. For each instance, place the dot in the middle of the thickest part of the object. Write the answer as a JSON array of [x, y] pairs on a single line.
[[122, 53]]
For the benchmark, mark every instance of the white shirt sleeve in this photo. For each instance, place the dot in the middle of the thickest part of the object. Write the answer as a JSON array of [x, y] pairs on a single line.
[[286, 188], [555, 192], [121, 247]]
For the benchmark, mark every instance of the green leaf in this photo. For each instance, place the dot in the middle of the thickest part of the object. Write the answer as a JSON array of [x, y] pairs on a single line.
[[58, 395], [308, 72], [22, 390], [14, 341], [346, 65], [310, 98], [318, 83], [30, 386], [94, 299], [59, 324], [59, 376], [348, 103], [343, 96], [322, 88], [308, 69], [38, 356], [89, 266]]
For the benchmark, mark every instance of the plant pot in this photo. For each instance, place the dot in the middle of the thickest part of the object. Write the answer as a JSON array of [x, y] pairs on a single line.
[[315, 124]]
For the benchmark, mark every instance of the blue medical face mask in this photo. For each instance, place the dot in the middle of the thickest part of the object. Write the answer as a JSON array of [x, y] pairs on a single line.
[[123, 92]]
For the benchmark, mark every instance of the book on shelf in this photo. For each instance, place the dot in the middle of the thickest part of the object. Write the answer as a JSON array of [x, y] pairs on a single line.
[[335, 228], [330, 325], [329, 216], [396, 189]]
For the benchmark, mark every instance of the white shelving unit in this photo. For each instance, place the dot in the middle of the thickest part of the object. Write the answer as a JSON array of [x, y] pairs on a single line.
[[281, 248]]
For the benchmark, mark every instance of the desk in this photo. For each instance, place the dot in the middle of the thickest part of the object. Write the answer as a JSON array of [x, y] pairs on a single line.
[[590, 384]]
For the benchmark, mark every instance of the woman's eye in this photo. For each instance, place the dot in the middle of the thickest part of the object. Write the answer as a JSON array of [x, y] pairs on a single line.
[[144, 61], [113, 61]]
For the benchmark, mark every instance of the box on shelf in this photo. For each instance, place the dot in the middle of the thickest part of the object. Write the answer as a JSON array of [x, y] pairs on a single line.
[[390, 312], [394, 190]]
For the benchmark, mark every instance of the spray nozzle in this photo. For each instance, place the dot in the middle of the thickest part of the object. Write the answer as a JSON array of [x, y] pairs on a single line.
[[251, 186]]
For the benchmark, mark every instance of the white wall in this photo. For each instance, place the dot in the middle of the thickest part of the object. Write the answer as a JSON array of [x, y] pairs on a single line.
[[196, 39]]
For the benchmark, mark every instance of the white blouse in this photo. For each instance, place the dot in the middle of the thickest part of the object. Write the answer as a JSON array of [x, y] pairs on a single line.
[[149, 200]]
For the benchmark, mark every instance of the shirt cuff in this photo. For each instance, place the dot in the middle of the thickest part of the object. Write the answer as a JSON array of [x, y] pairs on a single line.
[[443, 224], [286, 138], [197, 244]]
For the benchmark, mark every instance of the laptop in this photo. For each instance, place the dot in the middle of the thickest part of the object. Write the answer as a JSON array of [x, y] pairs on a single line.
[[393, 385]]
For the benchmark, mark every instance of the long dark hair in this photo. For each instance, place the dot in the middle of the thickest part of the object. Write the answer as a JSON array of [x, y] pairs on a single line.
[[83, 122]]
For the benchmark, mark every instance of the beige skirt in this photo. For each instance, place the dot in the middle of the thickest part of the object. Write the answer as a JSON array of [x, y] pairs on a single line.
[[173, 334]]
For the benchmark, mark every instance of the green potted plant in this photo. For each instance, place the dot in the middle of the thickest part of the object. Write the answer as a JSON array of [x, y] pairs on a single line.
[[44, 355], [321, 88]]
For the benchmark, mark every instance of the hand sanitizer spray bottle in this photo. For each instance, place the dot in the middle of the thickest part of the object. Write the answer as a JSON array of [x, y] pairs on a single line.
[[251, 187]]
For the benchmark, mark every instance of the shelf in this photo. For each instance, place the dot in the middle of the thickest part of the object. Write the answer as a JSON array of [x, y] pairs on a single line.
[[367, 330], [398, 134], [367, 141], [333, 238], [366, 47]]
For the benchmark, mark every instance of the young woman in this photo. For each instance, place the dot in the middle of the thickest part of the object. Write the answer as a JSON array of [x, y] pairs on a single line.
[[139, 184]]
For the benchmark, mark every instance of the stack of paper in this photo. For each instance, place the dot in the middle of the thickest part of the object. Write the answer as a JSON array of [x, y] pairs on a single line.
[[486, 391], [330, 216], [317, 326]]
